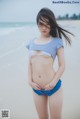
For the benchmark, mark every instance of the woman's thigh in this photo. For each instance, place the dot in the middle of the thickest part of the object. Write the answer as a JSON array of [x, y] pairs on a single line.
[[55, 104], [41, 104]]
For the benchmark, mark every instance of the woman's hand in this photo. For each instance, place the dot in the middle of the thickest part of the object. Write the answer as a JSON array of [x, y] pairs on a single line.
[[50, 86], [35, 85]]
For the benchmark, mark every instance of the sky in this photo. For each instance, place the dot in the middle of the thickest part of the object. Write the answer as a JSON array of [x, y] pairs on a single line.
[[26, 10]]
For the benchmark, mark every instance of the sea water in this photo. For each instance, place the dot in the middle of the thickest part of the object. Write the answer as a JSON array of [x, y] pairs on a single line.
[[15, 93]]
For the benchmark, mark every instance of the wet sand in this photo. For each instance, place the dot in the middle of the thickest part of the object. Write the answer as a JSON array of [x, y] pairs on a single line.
[[15, 93]]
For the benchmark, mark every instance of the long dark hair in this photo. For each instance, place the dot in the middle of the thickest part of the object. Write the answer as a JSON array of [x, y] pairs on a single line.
[[56, 30]]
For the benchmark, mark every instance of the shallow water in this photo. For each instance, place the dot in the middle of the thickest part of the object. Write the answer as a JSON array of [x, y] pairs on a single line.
[[15, 93]]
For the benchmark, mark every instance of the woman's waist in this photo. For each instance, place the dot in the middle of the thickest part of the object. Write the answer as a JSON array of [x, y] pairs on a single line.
[[43, 78], [42, 66], [44, 74], [43, 69]]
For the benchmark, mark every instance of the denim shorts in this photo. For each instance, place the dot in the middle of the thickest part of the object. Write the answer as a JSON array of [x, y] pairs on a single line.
[[49, 92]]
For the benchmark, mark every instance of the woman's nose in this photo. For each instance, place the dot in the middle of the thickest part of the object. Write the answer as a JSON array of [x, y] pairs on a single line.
[[43, 27]]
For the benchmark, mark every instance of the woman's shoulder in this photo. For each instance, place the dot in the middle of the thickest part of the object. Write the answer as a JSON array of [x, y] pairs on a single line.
[[28, 42], [57, 39], [59, 42]]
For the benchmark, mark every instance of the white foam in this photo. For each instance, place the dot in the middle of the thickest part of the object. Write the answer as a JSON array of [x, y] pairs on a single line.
[[5, 31], [11, 51]]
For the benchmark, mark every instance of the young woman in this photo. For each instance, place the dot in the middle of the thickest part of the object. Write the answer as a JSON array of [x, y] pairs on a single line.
[[44, 80]]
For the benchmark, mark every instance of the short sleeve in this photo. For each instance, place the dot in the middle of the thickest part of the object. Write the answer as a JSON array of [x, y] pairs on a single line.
[[28, 44], [59, 44]]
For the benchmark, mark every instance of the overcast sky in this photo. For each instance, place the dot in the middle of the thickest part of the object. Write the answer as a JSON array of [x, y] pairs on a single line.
[[26, 10]]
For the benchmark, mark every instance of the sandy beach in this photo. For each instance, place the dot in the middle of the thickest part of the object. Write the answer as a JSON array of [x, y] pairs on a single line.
[[15, 93]]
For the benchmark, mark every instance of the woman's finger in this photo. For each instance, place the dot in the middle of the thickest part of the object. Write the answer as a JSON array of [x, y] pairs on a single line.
[[38, 86], [47, 87]]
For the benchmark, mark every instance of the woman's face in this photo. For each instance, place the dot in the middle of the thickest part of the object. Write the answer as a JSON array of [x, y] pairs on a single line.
[[44, 27]]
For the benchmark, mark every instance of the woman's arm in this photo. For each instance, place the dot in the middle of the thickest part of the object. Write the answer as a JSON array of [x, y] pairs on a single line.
[[30, 80], [29, 72], [61, 63]]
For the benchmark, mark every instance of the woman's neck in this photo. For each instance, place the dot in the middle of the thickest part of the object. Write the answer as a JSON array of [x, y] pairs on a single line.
[[45, 37]]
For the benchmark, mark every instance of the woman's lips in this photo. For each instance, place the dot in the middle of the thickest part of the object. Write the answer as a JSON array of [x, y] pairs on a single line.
[[44, 31]]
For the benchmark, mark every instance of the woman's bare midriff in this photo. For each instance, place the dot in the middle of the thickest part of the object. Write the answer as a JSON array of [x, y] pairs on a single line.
[[42, 69]]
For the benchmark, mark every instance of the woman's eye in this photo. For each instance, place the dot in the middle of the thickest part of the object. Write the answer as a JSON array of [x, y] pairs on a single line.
[[41, 24], [46, 25]]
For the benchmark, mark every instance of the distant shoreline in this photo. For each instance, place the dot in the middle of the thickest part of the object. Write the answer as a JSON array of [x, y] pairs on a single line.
[[24, 24], [32, 21]]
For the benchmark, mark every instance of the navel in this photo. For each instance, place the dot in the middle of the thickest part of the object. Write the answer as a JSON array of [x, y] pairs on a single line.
[[39, 76]]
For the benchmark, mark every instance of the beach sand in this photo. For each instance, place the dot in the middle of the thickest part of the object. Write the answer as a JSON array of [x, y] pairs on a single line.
[[16, 94]]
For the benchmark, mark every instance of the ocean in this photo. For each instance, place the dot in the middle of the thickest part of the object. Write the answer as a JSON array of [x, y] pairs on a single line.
[[15, 93]]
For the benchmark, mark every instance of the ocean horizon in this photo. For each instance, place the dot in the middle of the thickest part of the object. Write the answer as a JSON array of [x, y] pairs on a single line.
[[15, 92]]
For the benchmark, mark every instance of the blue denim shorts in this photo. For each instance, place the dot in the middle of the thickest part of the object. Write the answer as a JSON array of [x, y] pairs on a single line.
[[49, 92]]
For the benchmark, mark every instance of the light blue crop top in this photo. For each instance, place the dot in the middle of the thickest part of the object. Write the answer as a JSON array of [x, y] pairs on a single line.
[[49, 48]]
